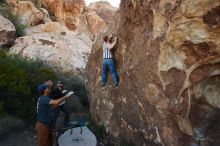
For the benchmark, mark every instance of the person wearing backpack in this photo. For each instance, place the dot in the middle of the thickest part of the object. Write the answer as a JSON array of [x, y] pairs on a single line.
[[108, 62]]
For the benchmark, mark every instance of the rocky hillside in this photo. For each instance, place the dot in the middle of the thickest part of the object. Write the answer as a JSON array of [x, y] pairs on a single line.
[[167, 59], [76, 16], [64, 43]]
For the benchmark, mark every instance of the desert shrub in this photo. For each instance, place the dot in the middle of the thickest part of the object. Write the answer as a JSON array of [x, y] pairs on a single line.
[[2, 1], [19, 78]]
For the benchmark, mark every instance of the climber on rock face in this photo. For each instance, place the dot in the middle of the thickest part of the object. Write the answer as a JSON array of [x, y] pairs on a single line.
[[108, 62]]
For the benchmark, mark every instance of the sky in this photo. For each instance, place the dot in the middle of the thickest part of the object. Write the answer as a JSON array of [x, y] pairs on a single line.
[[114, 3]]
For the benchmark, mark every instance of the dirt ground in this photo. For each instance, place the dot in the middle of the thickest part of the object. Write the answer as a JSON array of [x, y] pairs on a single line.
[[20, 137], [26, 136]]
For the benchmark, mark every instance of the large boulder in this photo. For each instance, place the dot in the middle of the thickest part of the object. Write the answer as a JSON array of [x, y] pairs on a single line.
[[167, 54], [26, 12], [64, 51], [7, 30]]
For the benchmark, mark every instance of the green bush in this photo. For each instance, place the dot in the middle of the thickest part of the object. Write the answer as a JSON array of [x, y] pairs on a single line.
[[2, 1], [6, 12], [19, 78]]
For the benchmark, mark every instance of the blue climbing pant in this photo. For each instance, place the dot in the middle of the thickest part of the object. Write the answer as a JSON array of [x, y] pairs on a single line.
[[109, 64]]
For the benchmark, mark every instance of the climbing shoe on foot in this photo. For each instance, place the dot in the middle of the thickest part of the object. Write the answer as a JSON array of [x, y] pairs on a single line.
[[117, 84]]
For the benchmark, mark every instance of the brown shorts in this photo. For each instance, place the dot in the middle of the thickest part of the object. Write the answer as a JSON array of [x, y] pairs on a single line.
[[45, 135]]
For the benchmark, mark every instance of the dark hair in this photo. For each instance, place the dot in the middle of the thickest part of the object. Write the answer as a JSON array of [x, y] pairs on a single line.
[[106, 38]]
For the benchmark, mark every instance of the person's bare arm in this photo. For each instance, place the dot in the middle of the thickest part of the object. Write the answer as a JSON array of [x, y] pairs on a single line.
[[55, 102], [110, 36], [111, 45]]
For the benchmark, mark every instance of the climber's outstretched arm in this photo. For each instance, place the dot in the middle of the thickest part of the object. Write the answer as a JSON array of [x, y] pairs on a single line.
[[113, 43]]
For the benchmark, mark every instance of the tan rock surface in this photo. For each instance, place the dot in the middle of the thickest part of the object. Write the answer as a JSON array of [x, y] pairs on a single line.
[[64, 51], [47, 27], [95, 23], [26, 12], [76, 16], [64, 9]]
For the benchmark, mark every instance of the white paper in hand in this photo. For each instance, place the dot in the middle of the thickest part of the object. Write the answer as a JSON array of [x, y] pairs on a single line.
[[64, 91], [69, 94]]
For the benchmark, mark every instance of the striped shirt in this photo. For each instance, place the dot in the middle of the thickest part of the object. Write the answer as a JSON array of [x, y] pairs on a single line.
[[106, 51]]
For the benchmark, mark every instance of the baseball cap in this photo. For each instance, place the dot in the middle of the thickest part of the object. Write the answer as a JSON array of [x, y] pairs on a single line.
[[42, 87]]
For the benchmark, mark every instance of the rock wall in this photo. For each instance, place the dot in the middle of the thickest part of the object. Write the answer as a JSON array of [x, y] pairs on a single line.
[[167, 59]]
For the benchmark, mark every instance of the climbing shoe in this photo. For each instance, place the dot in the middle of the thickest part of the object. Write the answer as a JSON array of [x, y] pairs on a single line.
[[117, 84]]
